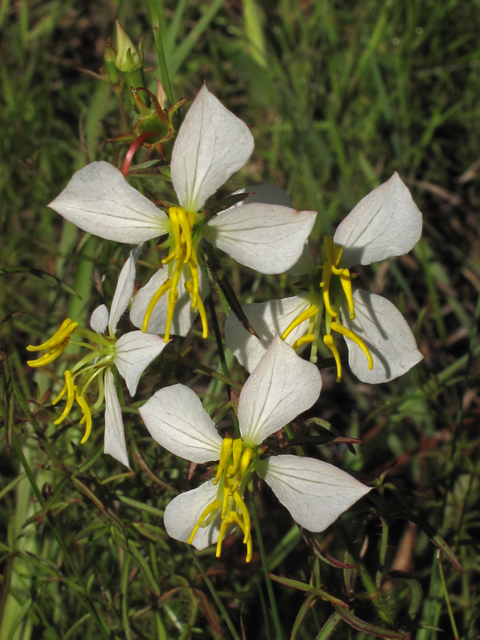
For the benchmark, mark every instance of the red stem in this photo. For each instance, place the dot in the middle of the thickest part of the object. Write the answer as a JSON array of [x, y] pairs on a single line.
[[133, 147]]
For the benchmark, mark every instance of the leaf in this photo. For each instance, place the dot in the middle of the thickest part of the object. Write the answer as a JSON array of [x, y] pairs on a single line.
[[415, 590], [88, 492], [329, 627], [38, 273], [365, 627], [302, 612], [303, 586]]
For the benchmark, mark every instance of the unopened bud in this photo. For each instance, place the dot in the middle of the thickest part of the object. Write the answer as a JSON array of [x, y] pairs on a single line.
[[128, 57], [109, 62]]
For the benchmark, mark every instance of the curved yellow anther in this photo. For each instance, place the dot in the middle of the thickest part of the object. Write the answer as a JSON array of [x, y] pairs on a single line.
[[226, 447], [161, 291], [304, 340], [305, 315], [245, 515], [66, 328], [226, 522], [87, 416], [346, 282], [69, 387], [213, 506], [186, 237], [339, 328], [48, 357], [201, 309], [175, 225], [325, 284], [330, 342], [236, 454]]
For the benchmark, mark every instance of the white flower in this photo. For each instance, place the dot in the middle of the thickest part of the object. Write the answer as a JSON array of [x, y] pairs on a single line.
[[211, 145], [381, 346], [281, 387], [130, 354]]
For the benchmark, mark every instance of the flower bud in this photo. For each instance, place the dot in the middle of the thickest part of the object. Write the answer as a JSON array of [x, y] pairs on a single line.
[[128, 58], [109, 63]]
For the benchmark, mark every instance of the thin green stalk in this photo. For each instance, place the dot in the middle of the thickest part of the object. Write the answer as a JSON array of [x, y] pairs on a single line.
[[447, 599], [61, 542], [218, 339], [214, 593], [153, 7], [268, 582]]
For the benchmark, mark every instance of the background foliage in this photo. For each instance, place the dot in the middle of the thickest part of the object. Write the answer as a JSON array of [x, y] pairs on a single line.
[[339, 95]]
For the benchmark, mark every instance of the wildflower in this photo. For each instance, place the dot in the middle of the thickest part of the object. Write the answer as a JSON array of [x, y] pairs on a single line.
[[381, 346], [281, 387], [130, 354], [211, 145]]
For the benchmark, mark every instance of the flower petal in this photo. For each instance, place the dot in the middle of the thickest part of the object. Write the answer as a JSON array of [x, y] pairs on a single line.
[[305, 264], [99, 319], [211, 145], [99, 200], [280, 388], [267, 318], [176, 419], [114, 432], [386, 223], [183, 512], [183, 316], [123, 290], [267, 238], [387, 335], [314, 492], [134, 351]]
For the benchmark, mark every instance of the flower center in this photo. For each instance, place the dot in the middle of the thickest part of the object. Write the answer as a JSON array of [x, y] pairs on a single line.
[[335, 286], [233, 473], [89, 368], [182, 256]]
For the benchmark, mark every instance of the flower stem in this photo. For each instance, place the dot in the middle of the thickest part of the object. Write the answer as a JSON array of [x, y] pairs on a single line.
[[268, 582], [214, 593], [153, 7], [218, 338]]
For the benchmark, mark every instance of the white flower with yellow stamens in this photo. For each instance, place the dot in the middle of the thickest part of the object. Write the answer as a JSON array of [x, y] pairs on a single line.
[[280, 388], [211, 145], [381, 346], [130, 354]]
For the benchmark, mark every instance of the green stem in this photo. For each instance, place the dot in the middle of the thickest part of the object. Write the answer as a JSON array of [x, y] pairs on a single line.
[[214, 593], [218, 339], [268, 582], [61, 542], [447, 599], [154, 15]]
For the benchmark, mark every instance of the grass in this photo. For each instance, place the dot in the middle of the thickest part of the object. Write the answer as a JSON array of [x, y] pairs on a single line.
[[339, 95]]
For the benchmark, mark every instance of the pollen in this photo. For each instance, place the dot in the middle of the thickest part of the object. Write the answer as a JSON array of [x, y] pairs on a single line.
[[182, 258], [232, 475]]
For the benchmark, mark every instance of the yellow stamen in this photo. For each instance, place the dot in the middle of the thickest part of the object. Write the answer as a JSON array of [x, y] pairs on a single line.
[[213, 506], [48, 357], [237, 453], [305, 315], [159, 293], [226, 446], [87, 416], [353, 336], [69, 387], [67, 327], [223, 528], [186, 232], [346, 282], [174, 222], [245, 515], [330, 342], [200, 307], [304, 340], [325, 284]]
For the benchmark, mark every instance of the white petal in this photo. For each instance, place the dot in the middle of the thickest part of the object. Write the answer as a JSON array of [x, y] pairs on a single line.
[[305, 264], [176, 419], [114, 433], [183, 512], [123, 290], [99, 319], [386, 223], [265, 193], [314, 492], [183, 316], [384, 330], [134, 351], [211, 145], [268, 319], [99, 200], [280, 388], [267, 238]]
